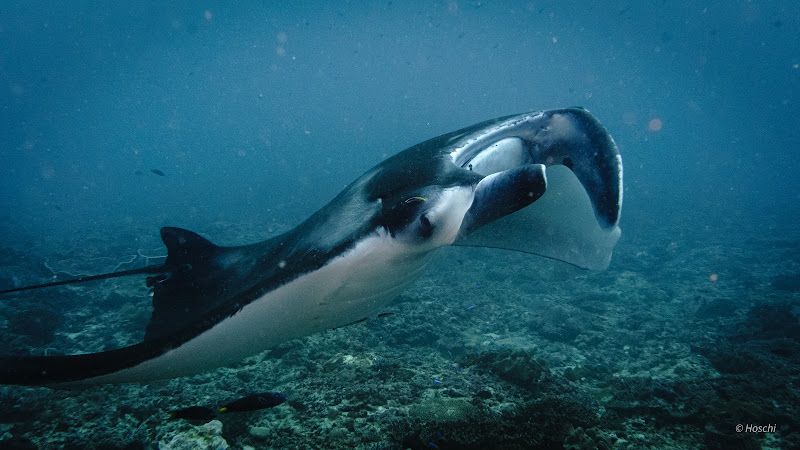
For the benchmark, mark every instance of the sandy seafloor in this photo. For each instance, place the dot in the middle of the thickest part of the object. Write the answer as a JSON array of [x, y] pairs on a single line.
[[489, 349]]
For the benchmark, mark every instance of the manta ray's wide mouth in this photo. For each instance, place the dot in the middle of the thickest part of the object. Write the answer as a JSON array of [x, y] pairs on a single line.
[[503, 155]]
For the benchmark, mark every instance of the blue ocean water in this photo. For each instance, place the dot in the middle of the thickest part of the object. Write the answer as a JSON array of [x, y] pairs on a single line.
[[264, 110], [238, 120]]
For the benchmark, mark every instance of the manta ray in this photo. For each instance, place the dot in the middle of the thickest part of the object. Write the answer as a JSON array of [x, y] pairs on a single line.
[[547, 183]]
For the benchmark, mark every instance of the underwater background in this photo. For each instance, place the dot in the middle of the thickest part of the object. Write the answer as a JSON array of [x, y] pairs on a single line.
[[238, 120]]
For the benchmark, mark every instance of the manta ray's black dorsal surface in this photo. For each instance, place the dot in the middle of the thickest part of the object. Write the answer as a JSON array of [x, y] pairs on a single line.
[[547, 183]]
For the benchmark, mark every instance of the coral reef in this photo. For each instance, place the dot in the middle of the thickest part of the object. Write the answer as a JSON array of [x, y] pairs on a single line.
[[590, 439], [516, 366], [203, 437], [511, 358], [443, 409]]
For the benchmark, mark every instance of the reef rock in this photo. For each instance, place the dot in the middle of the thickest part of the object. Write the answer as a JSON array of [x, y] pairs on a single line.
[[204, 437]]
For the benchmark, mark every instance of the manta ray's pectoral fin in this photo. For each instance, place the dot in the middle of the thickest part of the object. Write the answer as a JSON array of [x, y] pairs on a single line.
[[575, 139], [560, 225]]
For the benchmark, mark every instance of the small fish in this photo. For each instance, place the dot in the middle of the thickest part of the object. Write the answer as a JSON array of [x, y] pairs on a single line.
[[255, 402], [193, 413], [157, 172], [414, 199]]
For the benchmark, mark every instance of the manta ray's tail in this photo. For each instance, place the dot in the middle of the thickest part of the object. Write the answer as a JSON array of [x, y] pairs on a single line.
[[154, 269]]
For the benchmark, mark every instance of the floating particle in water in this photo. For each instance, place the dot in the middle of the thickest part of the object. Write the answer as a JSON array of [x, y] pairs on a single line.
[[655, 124]]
